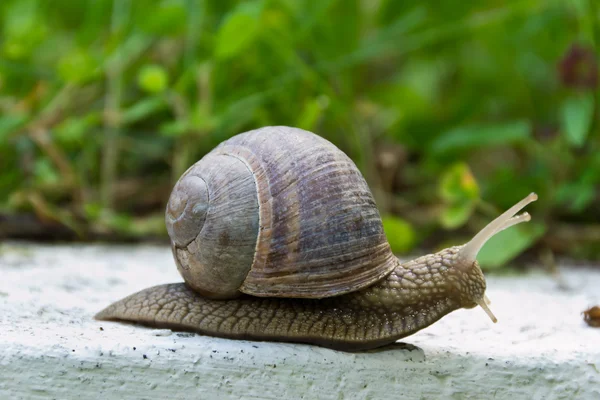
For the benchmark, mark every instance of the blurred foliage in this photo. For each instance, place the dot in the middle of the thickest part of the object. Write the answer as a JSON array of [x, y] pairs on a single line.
[[453, 110]]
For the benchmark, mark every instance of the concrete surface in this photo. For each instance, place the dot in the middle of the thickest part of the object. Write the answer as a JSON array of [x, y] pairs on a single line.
[[51, 348]]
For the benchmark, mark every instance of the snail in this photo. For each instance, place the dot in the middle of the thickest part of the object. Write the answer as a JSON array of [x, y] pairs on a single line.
[[277, 237]]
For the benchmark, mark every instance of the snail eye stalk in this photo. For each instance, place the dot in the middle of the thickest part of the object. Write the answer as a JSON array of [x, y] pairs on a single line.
[[468, 253]]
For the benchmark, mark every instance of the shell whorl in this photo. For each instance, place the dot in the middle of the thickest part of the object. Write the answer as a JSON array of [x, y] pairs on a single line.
[[217, 259], [186, 210]]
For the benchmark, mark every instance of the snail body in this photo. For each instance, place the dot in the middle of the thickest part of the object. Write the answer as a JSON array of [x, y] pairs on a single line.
[[278, 238]]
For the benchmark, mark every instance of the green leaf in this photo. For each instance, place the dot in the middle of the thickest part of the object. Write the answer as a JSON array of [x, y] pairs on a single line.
[[175, 128], [455, 215], [24, 28], [460, 192], [457, 184], [508, 244], [239, 29], [202, 121], [476, 136], [92, 211], [580, 193], [72, 131], [400, 234], [577, 113], [240, 112], [44, 172], [311, 112], [78, 67], [577, 195], [8, 123], [143, 109], [153, 79], [164, 19]]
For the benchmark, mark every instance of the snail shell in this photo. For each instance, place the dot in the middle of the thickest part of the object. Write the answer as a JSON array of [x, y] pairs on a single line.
[[277, 212]]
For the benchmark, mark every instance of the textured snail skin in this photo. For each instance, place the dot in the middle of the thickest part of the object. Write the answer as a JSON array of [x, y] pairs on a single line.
[[413, 296]]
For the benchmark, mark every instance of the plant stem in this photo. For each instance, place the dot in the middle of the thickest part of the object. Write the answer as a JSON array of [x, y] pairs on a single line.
[[112, 107]]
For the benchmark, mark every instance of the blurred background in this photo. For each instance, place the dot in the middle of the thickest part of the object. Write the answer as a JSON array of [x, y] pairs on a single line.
[[453, 111]]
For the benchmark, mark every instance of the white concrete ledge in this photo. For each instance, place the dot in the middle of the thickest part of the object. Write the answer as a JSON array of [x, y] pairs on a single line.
[[50, 346]]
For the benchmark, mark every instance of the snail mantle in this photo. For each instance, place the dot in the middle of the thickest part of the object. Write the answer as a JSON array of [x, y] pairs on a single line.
[[53, 348]]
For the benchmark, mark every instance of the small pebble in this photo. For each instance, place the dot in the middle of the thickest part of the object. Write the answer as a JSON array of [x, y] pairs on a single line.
[[592, 316]]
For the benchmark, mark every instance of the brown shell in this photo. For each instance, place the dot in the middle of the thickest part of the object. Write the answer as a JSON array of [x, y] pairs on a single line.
[[298, 218]]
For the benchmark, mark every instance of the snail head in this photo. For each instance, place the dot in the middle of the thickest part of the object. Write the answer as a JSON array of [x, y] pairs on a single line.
[[469, 277]]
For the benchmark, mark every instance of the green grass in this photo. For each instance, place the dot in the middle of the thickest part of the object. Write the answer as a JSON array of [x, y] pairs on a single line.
[[452, 110]]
